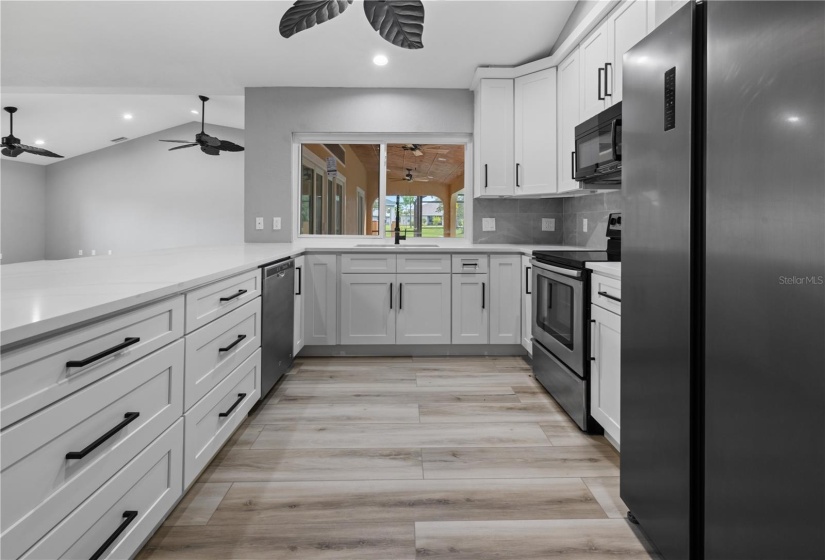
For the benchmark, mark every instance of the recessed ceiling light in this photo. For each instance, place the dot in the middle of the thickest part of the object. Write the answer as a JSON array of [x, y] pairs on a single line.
[[39, 142], [194, 112], [793, 119], [127, 116], [442, 159], [380, 60]]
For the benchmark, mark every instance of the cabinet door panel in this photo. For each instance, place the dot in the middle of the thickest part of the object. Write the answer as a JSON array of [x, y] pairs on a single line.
[[505, 299], [300, 282], [423, 315], [535, 133], [594, 55], [321, 302], [605, 373], [367, 310], [526, 305], [470, 309], [568, 117], [494, 138], [625, 27]]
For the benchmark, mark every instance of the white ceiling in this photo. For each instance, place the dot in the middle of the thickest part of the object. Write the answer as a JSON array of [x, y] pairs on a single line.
[[74, 67]]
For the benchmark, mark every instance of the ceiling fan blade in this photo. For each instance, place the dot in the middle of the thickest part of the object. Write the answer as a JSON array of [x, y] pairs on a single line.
[[211, 150], [204, 138], [177, 141], [227, 146], [37, 151], [182, 147], [11, 153]]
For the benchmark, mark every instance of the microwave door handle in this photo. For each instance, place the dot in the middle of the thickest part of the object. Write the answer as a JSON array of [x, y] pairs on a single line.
[[573, 165], [613, 128]]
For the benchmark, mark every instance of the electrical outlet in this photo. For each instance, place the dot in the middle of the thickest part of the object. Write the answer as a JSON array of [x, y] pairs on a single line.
[[548, 224], [80, 253], [488, 224], [110, 251], [276, 223], [259, 223], [584, 224], [93, 252]]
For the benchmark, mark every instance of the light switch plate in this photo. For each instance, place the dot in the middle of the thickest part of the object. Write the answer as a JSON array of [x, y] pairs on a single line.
[[584, 224], [548, 224], [259, 223], [276, 223], [488, 224]]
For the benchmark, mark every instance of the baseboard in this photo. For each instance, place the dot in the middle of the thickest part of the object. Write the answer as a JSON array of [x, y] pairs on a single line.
[[348, 350]]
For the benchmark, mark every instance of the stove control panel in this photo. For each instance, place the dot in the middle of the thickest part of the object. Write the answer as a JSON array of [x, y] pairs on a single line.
[[614, 225]]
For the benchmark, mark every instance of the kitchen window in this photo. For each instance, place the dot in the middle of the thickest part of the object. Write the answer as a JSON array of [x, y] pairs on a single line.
[[363, 188]]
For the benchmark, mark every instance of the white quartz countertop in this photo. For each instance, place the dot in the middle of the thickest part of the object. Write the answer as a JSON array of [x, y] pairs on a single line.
[[611, 269], [39, 297]]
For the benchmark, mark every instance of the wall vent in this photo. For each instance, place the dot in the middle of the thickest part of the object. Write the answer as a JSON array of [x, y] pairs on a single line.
[[121, 139]]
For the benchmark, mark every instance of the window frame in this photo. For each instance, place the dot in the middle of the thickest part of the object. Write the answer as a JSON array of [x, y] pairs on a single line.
[[381, 139]]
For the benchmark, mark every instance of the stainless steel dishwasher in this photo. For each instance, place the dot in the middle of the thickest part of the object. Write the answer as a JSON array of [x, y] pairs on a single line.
[[277, 322]]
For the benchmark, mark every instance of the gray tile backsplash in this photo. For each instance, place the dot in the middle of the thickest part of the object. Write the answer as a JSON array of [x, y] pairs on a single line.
[[518, 221]]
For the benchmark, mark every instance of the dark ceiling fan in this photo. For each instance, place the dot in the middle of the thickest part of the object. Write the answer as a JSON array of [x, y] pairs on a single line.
[[209, 144], [12, 146]]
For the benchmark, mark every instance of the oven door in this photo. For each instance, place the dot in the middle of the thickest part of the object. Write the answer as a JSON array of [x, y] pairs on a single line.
[[557, 313]]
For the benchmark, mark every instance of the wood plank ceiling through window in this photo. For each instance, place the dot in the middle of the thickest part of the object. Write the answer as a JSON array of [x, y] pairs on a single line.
[[427, 166]]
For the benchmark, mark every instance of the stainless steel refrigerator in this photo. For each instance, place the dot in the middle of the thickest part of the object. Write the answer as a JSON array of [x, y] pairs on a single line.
[[723, 259]]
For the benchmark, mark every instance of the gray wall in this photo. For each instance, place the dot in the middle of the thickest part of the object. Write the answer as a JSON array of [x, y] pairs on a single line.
[[518, 221], [22, 211], [579, 12], [273, 114], [595, 208], [137, 196]]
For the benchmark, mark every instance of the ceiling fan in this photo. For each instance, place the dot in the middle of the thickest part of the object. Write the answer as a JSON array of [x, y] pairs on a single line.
[[209, 144], [409, 177], [12, 146]]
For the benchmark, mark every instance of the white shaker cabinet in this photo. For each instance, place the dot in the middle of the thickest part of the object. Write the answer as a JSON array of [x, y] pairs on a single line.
[[471, 313], [321, 303], [569, 117], [298, 325], [423, 312], [593, 55], [605, 368], [526, 305], [505, 299], [535, 133], [493, 143], [626, 26], [367, 308]]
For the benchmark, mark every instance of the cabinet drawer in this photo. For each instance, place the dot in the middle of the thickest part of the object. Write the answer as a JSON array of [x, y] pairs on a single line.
[[468, 264], [606, 292], [215, 300], [206, 430], [367, 262], [35, 376], [40, 485], [148, 486], [206, 363], [424, 263]]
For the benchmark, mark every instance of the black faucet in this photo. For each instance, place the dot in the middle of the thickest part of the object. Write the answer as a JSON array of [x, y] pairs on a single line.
[[398, 236]]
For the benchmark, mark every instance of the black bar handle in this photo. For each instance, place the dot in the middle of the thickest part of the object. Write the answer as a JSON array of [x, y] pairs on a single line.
[[517, 166], [128, 517], [391, 295], [573, 165], [607, 78], [608, 296], [527, 281], [233, 296], [485, 175], [241, 396], [129, 417], [400, 295], [234, 343], [125, 344], [601, 97], [483, 294], [614, 128], [300, 280]]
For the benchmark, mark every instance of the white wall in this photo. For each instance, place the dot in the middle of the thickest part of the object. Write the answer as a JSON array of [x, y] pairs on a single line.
[[22, 211], [273, 114], [137, 196]]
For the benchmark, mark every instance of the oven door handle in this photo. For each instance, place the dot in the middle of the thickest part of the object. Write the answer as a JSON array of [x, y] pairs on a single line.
[[558, 270]]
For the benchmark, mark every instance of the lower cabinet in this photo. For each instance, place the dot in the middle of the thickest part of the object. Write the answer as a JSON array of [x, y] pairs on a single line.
[[423, 315], [505, 299], [367, 309], [321, 302], [605, 373], [298, 325], [526, 290], [471, 314]]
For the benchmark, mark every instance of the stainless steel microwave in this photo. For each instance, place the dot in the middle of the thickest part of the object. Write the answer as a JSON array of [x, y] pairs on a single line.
[[598, 156]]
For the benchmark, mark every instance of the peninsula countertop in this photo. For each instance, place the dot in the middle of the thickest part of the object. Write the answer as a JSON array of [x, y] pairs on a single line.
[[39, 297]]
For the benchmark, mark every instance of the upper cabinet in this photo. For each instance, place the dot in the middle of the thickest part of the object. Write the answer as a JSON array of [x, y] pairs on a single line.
[[515, 140], [594, 61], [535, 133], [569, 116], [494, 169]]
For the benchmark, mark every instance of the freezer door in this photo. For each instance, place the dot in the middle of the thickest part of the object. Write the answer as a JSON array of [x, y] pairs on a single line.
[[656, 284], [765, 363]]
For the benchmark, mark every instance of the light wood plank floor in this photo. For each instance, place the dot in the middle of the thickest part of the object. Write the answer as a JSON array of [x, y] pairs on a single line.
[[405, 458]]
